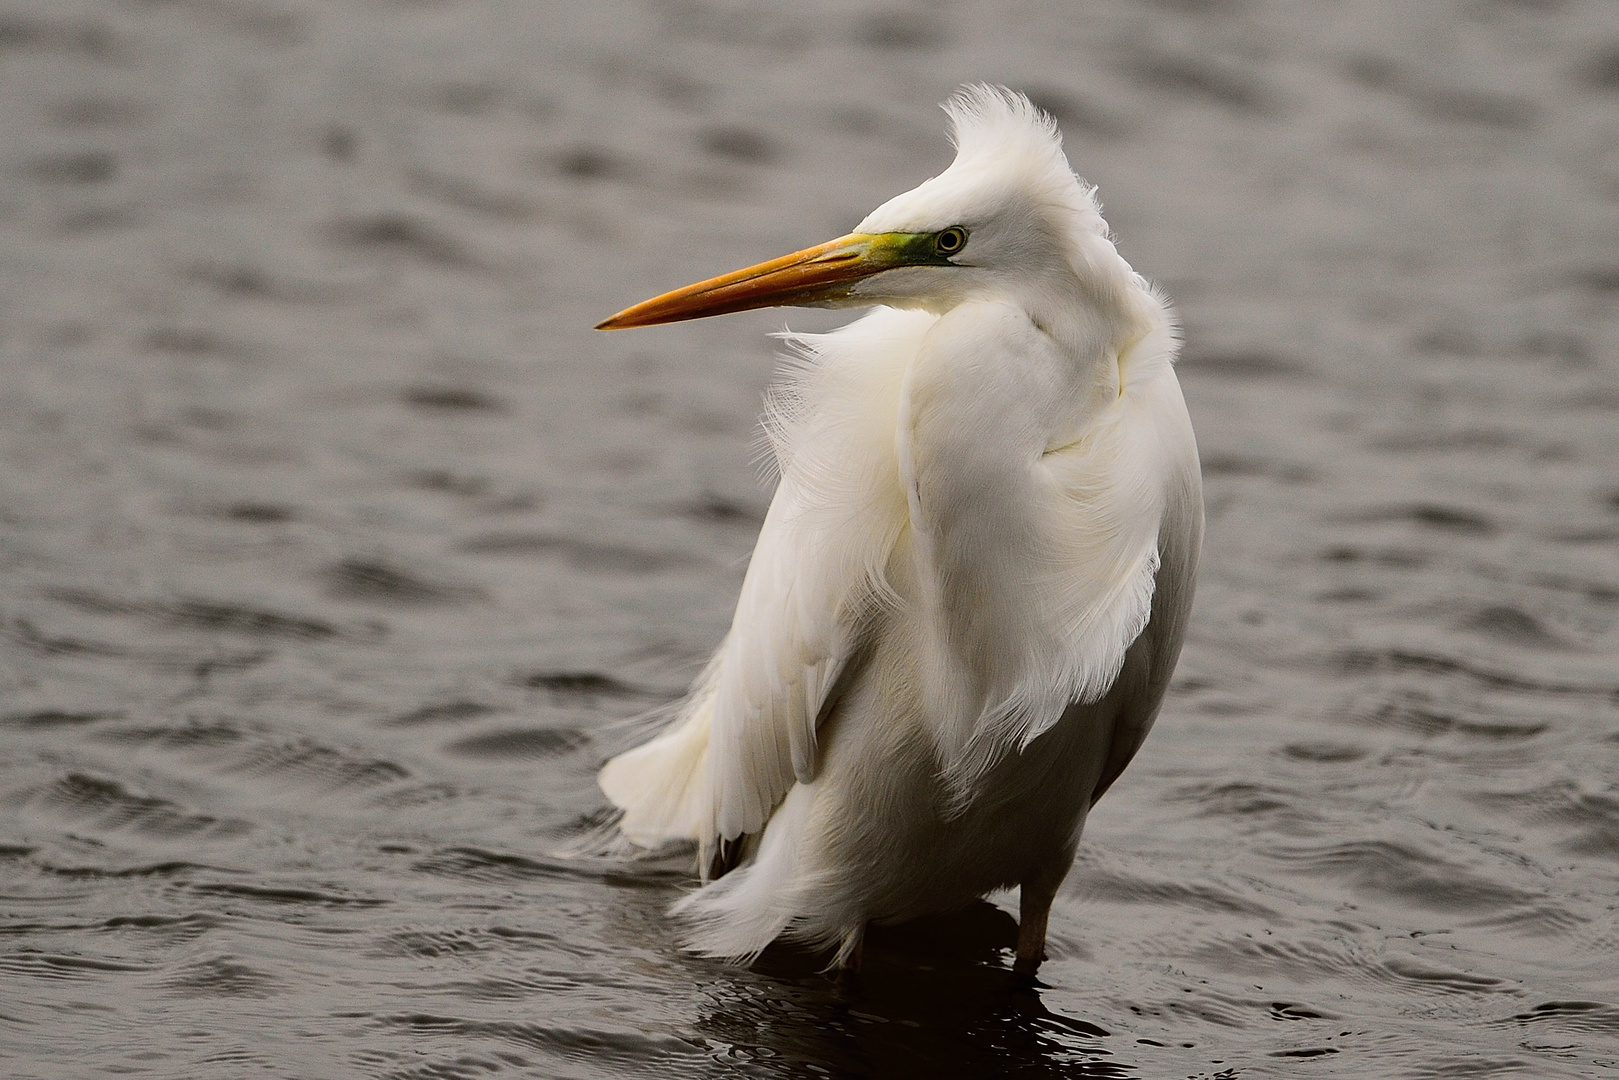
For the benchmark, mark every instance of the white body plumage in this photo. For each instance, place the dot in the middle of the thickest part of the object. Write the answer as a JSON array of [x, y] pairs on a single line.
[[971, 588]]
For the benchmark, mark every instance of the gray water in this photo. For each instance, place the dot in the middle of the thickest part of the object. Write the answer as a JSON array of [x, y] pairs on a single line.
[[336, 547]]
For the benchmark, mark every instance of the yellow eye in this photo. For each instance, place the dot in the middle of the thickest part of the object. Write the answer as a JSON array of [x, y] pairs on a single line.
[[950, 241]]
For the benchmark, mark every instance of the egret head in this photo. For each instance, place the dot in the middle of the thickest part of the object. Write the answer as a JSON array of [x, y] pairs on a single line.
[[1007, 219]]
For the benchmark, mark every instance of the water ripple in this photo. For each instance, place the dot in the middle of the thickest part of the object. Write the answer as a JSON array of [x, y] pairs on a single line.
[[601, 1047], [479, 864], [1400, 871], [1572, 1016], [110, 805]]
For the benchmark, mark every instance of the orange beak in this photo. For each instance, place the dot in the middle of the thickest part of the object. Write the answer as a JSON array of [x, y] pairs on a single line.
[[808, 278]]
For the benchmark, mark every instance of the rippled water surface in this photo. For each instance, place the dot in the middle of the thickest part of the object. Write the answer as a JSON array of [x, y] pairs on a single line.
[[336, 548]]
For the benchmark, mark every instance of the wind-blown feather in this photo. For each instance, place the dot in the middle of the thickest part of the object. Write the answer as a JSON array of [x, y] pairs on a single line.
[[816, 576], [1037, 555]]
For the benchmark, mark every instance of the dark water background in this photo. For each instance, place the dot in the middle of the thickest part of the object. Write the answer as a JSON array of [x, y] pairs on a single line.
[[333, 543]]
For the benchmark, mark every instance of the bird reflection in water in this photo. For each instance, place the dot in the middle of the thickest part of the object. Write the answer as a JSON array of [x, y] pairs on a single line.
[[932, 999]]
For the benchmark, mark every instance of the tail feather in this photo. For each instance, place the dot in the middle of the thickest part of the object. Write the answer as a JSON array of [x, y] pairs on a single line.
[[738, 915], [663, 786], [664, 792]]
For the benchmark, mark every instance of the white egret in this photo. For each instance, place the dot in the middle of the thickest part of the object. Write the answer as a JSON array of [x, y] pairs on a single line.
[[972, 584]]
